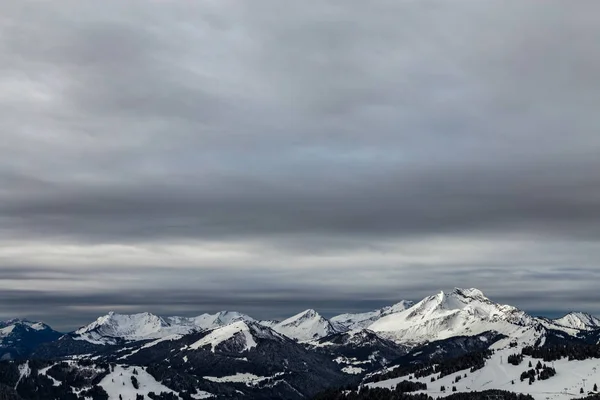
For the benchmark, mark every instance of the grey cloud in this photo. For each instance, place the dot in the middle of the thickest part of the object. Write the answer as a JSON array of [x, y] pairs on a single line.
[[312, 128]]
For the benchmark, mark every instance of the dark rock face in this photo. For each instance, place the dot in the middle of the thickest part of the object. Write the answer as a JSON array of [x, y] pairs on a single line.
[[67, 346], [22, 337], [450, 348], [362, 348]]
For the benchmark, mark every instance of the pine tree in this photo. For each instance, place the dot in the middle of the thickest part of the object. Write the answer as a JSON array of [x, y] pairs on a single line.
[[595, 387], [581, 390], [539, 365]]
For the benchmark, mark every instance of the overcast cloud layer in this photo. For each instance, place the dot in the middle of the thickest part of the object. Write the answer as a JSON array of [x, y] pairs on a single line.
[[269, 156]]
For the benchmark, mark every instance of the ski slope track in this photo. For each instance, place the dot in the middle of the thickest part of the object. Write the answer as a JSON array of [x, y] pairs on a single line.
[[570, 378]]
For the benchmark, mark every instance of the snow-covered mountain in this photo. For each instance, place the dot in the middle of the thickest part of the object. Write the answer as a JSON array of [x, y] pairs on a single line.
[[241, 360], [348, 322], [237, 337], [462, 312], [113, 327], [497, 373], [209, 321], [18, 337], [579, 320], [231, 355], [307, 325]]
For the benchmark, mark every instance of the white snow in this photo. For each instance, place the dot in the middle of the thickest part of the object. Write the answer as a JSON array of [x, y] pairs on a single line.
[[346, 322], [151, 344], [579, 320], [133, 327], [499, 374], [7, 330], [462, 312], [349, 360], [200, 394], [129, 327], [119, 382], [24, 372], [352, 370], [305, 326], [247, 378], [44, 372], [237, 329]]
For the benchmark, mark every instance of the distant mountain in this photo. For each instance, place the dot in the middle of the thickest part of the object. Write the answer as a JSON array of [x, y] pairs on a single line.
[[307, 325], [209, 321], [115, 328], [243, 357], [579, 320], [462, 312], [236, 337], [19, 337], [347, 322], [231, 355]]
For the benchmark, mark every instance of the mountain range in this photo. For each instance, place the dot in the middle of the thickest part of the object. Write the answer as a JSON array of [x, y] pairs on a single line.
[[230, 354]]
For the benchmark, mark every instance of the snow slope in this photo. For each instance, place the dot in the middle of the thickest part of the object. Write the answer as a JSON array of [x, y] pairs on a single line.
[[112, 327], [307, 325], [579, 320], [237, 330], [463, 312], [238, 336], [209, 321], [119, 382], [499, 374], [346, 322], [243, 377], [7, 327]]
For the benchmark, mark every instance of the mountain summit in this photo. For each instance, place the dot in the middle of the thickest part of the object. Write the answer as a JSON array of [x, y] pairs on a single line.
[[19, 336], [346, 322], [307, 325], [462, 312], [579, 320]]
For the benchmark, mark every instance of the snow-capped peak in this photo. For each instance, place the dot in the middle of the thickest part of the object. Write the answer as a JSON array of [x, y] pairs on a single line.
[[113, 327], [471, 293], [108, 328], [307, 325], [461, 312], [579, 320], [238, 336], [12, 323], [209, 321], [347, 322]]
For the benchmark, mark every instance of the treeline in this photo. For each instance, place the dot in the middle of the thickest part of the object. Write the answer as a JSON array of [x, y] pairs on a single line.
[[37, 386], [387, 394], [366, 393], [504, 395], [556, 352], [591, 397], [472, 361]]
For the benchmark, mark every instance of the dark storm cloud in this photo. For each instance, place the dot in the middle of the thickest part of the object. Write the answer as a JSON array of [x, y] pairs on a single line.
[[344, 130]]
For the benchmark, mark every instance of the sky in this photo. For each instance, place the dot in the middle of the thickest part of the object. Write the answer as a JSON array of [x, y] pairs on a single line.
[[182, 157]]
